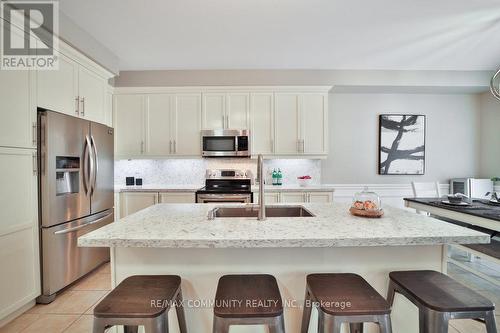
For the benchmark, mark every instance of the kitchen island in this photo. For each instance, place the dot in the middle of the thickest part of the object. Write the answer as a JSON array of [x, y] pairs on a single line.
[[179, 239]]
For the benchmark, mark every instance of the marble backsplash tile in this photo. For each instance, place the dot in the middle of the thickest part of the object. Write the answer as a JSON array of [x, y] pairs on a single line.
[[192, 171]]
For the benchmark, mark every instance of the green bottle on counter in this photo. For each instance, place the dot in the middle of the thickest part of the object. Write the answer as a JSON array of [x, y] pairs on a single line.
[[275, 177], [279, 177]]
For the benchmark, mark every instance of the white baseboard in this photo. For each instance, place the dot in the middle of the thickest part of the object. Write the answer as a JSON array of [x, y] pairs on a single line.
[[13, 315]]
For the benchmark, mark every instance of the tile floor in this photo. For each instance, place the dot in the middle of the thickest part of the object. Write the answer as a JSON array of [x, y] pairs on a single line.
[[485, 288], [71, 312]]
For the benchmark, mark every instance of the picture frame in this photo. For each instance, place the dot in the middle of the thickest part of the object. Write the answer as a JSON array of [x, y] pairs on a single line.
[[402, 139]]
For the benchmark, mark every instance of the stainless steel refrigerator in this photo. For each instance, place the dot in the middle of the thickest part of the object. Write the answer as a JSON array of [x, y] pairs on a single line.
[[75, 163]]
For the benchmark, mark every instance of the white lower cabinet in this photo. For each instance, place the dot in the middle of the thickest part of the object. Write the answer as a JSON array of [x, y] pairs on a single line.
[[177, 197], [296, 197], [270, 198], [19, 257], [320, 197], [131, 202]]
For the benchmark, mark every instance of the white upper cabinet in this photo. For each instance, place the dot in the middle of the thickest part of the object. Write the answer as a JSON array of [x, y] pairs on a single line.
[[74, 89], [237, 110], [18, 115], [262, 120], [157, 125], [158, 121], [226, 110], [167, 122], [128, 115], [17, 105], [287, 108], [57, 90], [214, 111], [314, 115], [92, 91], [187, 125]]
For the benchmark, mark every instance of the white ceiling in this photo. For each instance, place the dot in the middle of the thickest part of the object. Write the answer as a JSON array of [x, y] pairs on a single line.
[[292, 34]]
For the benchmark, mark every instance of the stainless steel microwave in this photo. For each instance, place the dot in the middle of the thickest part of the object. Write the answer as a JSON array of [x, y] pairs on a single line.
[[225, 143]]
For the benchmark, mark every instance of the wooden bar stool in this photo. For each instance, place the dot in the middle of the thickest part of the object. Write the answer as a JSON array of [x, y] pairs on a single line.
[[344, 298], [248, 300], [439, 298], [141, 300]]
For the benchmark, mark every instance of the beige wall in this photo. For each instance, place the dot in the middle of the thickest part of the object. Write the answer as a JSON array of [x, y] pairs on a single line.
[[452, 136], [490, 136]]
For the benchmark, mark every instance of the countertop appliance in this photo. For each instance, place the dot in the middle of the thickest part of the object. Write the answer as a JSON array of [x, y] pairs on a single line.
[[225, 143], [472, 187], [226, 185], [75, 165]]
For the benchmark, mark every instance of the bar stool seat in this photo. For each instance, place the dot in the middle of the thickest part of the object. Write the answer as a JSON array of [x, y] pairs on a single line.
[[344, 298], [141, 300], [330, 289], [439, 299], [248, 300]]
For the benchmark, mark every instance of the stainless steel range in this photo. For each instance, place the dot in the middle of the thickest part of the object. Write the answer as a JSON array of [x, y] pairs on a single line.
[[226, 185]]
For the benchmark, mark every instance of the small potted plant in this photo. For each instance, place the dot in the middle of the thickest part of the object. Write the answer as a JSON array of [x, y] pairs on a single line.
[[496, 180]]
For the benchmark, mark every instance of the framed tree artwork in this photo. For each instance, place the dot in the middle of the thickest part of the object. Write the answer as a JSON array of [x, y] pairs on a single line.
[[401, 144]]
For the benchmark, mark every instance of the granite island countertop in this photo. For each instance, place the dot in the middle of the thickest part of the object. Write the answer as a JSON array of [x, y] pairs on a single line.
[[187, 226]]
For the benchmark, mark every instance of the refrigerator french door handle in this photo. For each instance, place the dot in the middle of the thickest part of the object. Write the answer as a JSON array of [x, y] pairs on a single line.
[[66, 231], [95, 168], [87, 163]]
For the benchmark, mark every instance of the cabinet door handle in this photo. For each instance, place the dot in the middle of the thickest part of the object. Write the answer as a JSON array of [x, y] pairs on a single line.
[[142, 147], [170, 150], [303, 146], [227, 121], [175, 147], [34, 134], [77, 105], [83, 107], [34, 159]]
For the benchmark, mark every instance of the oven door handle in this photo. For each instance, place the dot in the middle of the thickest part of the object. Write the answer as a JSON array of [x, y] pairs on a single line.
[[206, 198]]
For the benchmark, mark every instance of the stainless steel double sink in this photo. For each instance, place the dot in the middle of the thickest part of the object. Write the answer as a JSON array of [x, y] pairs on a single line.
[[253, 211]]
